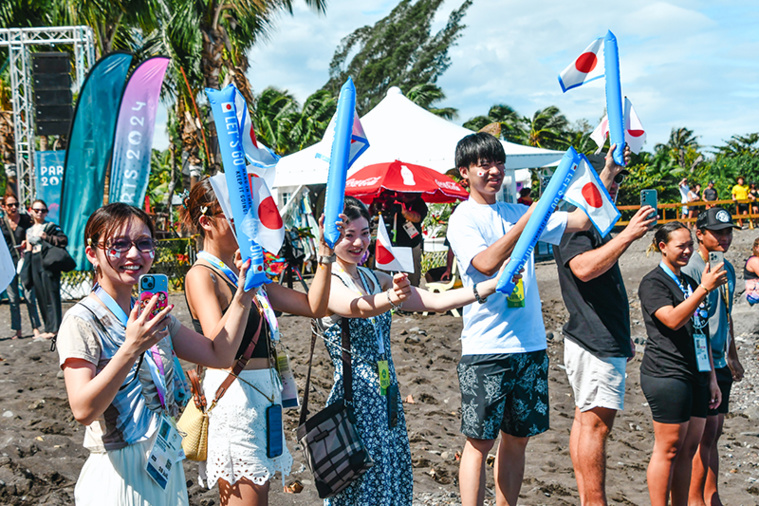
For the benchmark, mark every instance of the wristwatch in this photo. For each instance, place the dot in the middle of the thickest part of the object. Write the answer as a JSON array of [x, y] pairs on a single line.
[[481, 300], [324, 259]]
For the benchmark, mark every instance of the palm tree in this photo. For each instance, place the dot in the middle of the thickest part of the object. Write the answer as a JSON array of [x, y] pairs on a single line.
[[681, 141], [740, 145], [307, 126], [511, 124], [546, 127], [272, 117], [426, 94]]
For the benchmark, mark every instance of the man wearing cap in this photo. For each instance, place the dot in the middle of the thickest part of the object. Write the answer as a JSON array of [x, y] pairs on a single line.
[[597, 342], [714, 231]]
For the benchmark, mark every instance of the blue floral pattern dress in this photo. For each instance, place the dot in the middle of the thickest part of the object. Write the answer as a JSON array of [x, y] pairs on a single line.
[[390, 481]]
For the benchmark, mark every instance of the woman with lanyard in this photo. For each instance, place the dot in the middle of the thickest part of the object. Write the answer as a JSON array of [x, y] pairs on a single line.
[[121, 373], [238, 458], [676, 374], [366, 298]]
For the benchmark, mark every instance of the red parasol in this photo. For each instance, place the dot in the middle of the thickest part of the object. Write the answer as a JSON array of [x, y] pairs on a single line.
[[368, 183]]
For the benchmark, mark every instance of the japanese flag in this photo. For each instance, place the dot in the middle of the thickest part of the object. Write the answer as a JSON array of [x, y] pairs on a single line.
[[589, 66], [263, 223], [635, 136], [388, 257], [261, 159], [359, 142], [587, 192]]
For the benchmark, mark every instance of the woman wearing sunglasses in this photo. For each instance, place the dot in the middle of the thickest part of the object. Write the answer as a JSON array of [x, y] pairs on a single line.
[[47, 284]]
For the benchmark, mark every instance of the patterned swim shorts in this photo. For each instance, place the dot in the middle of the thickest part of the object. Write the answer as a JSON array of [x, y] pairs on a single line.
[[507, 392]]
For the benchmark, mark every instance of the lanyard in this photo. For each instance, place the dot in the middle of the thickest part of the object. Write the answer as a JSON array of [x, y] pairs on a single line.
[[700, 316], [153, 358], [372, 319], [686, 292], [211, 259]]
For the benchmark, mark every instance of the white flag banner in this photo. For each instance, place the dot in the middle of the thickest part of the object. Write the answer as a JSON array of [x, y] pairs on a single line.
[[587, 192]]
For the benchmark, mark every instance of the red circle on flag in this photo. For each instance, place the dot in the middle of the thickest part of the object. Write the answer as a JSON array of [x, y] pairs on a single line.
[[636, 133], [269, 215], [228, 107], [383, 256], [592, 195], [586, 62]]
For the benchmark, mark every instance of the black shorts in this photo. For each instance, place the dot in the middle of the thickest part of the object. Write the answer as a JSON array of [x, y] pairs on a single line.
[[742, 208], [675, 400], [725, 382]]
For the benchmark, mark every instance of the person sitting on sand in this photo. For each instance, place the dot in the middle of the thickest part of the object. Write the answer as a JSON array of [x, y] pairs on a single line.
[[503, 372], [120, 371], [366, 298], [676, 373], [714, 232], [237, 440]]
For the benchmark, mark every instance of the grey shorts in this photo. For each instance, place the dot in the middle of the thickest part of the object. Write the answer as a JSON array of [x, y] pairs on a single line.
[[504, 392], [597, 382]]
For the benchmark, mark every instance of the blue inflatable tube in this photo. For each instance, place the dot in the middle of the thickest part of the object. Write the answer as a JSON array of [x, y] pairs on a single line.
[[614, 97], [553, 193], [338, 162], [236, 174]]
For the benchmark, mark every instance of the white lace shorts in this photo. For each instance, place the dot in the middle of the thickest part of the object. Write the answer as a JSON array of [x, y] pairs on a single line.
[[237, 428]]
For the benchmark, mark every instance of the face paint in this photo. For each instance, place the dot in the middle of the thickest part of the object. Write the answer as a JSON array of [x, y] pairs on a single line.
[[480, 173], [114, 253], [152, 254]]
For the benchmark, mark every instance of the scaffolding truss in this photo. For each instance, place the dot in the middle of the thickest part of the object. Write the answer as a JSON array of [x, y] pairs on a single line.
[[20, 42]]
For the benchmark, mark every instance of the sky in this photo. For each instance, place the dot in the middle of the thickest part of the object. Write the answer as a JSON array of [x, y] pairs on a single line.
[[691, 64]]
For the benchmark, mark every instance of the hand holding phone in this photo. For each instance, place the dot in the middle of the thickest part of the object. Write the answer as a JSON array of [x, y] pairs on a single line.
[[716, 258], [649, 198], [150, 285]]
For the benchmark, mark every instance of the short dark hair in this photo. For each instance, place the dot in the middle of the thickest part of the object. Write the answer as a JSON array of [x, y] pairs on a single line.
[[478, 146]]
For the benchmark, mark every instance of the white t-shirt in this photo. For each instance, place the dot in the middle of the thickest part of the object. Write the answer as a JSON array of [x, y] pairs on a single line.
[[493, 327]]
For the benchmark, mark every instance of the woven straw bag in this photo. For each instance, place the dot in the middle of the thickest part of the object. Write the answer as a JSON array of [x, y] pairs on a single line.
[[193, 424]]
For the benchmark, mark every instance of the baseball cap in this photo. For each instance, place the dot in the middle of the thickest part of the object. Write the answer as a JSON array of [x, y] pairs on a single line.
[[716, 218]]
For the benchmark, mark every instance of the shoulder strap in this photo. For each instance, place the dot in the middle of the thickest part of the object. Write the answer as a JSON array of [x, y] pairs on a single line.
[[242, 361], [10, 230], [347, 370]]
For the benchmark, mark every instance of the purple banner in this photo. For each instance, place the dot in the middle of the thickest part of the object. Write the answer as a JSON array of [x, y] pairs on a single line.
[[133, 139]]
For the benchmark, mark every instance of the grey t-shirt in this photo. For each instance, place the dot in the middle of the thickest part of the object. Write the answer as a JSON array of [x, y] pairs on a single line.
[[718, 311]]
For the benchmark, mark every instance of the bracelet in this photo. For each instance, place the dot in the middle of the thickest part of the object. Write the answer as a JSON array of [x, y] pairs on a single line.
[[481, 300], [393, 304], [324, 259], [705, 289]]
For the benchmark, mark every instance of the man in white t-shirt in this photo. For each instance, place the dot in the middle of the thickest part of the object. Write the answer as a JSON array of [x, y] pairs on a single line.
[[503, 372]]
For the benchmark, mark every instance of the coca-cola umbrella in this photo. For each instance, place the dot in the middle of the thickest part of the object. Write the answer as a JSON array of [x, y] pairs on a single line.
[[367, 183]]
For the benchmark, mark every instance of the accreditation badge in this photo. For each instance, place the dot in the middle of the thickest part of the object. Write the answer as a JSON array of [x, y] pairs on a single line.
[[166, 452], [702, 352]]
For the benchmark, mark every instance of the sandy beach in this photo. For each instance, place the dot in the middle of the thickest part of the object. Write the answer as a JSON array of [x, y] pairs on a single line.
[[41, 450]]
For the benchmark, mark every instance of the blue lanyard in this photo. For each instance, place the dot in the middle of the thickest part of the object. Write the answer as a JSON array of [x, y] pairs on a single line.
[[153, 358], [687, 292], [211, 259]]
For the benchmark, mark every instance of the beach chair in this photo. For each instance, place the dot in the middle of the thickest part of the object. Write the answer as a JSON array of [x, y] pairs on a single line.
[[442, 286]]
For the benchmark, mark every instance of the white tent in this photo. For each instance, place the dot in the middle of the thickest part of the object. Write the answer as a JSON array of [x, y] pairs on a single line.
[[398, 129]]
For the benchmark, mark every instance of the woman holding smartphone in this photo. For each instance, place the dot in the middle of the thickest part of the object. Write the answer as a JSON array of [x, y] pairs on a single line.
[[120, 371], [239, 431], [676, 374]]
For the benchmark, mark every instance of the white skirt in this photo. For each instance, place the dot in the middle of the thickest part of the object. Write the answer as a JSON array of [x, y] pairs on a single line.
[[237, 429], [118, 478]]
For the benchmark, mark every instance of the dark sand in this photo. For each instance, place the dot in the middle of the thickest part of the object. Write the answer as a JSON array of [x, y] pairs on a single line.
[[40, 443]]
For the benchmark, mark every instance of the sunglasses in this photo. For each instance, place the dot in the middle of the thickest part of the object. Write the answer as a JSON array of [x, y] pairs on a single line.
[[123, 245], [43, 211], [619, 178], [11, 204]]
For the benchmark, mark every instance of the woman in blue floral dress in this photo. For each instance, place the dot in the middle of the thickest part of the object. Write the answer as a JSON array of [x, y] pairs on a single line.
[[366, 297]]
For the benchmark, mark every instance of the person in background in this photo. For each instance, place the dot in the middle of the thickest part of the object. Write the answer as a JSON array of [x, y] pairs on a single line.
[[14, 226], [403, 217], [524, 197], [714, 231], [710, 193], [740, 195], [676, 374], [751, 274], [694, 195], [47, 283], [753, 195], [684, 189]]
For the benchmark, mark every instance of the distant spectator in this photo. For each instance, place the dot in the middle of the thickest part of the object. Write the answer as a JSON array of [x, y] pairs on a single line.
[[751, 274], [740, 193], [684, 189], [694, 195], [753, 196], [403, 214], [710, 193], [524, 197]]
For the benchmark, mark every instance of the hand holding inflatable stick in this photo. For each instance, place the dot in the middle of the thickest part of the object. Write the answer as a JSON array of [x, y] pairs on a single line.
[[614, 97]]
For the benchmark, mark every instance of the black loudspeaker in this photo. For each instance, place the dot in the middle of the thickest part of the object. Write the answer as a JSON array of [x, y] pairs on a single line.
[[52, 92]]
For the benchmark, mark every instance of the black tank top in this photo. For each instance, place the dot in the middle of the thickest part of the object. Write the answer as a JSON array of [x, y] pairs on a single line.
[[260, 351], [747, 274]]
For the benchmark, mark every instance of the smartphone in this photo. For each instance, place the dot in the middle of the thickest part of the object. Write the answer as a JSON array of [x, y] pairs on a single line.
[[649, 198], [274, 435], [716, 258], [152, 284]]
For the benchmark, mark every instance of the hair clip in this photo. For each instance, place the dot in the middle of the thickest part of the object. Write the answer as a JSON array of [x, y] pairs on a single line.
[[203, 210], [89, 241], [185, 195]]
